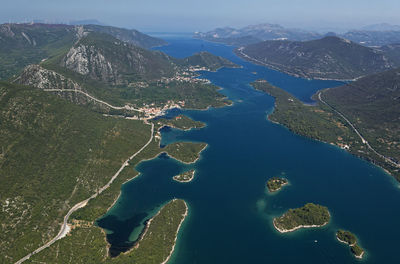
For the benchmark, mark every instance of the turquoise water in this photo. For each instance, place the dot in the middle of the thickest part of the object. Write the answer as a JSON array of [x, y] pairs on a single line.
[[230, 212]]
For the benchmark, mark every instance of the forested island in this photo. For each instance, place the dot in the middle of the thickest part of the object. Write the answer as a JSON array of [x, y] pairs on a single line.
[[275, 184], [350, 239], [310, 215]]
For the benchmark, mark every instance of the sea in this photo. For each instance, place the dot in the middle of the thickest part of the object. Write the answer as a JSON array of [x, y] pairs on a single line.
[[230, 210]]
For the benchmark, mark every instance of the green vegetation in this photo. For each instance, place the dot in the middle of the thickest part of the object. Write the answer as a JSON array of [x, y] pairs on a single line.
[[310, 215], [86, 244], [275, 184], [186, 152], [180, 122], [316, 122], [351, 240], [357, 251], [326, 58], [24, 44], [207, 60], [376, 119], [128, 35], [54, 154], [372, 105], [187, 176]]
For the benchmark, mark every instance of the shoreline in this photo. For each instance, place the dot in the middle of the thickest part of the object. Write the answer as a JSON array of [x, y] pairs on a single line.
[[176, 233], [246, 57], [187, 163], [175, 178], [297, 227], [351, 245]]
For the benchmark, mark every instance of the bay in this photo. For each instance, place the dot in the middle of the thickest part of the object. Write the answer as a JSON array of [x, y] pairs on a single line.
[[230, 210]]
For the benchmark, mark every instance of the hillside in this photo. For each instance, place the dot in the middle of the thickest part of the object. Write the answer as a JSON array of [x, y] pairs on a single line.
[[207, 60], [374, 38], [123, 74], [372, 103], [53, 155], [128, 35], [24, 44], [327, 58]]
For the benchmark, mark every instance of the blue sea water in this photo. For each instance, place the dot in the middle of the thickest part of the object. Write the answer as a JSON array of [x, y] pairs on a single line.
[[230, 211]]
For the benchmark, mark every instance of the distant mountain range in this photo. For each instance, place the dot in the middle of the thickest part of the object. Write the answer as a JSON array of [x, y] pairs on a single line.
[[373, 35], [326, 58]]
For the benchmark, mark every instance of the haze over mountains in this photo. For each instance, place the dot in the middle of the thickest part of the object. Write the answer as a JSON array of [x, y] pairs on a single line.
[[373, 35]]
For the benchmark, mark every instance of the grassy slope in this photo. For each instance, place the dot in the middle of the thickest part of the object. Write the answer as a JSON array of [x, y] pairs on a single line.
[[54, 154], [320, 122]]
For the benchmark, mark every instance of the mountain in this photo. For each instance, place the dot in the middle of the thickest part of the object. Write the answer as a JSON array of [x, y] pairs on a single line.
[[24, 44], [381, 27], [373, 38], [127, 35], [86, 22], [326, 58], [255, 33], [53, 154], [372, 103], [107, 59]]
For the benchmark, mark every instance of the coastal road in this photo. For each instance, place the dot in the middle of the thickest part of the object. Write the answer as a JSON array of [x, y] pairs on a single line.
[[64, 228], [364, 141]]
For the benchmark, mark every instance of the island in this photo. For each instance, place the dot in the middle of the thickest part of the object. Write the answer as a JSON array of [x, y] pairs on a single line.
[[180, 122], [187, 176], [310, 215], [350, 239], [275, 184]]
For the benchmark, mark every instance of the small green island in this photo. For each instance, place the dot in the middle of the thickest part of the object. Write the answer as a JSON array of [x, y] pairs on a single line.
[[187, 176], [275, 184], [310, 215], [350, 239]]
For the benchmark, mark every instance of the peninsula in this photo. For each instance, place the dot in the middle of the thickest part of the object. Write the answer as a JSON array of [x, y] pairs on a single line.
[[343, 117], [187, 176], [350, 239], [310, 215], [275, 184], [186, 152], [180, 122]]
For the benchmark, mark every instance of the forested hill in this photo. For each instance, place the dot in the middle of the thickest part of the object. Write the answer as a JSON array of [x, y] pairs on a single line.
[[372, 103], [326, 58], [24, 44]]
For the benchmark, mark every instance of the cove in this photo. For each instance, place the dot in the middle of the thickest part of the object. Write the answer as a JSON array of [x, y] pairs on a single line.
[[230, 210]]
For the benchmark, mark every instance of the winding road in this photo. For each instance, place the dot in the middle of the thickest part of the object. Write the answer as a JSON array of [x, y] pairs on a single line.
[[364, 141], [126, 107], [64, 228]]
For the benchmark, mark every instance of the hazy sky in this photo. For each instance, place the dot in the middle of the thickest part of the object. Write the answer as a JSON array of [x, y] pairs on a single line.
[[187, 15]]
